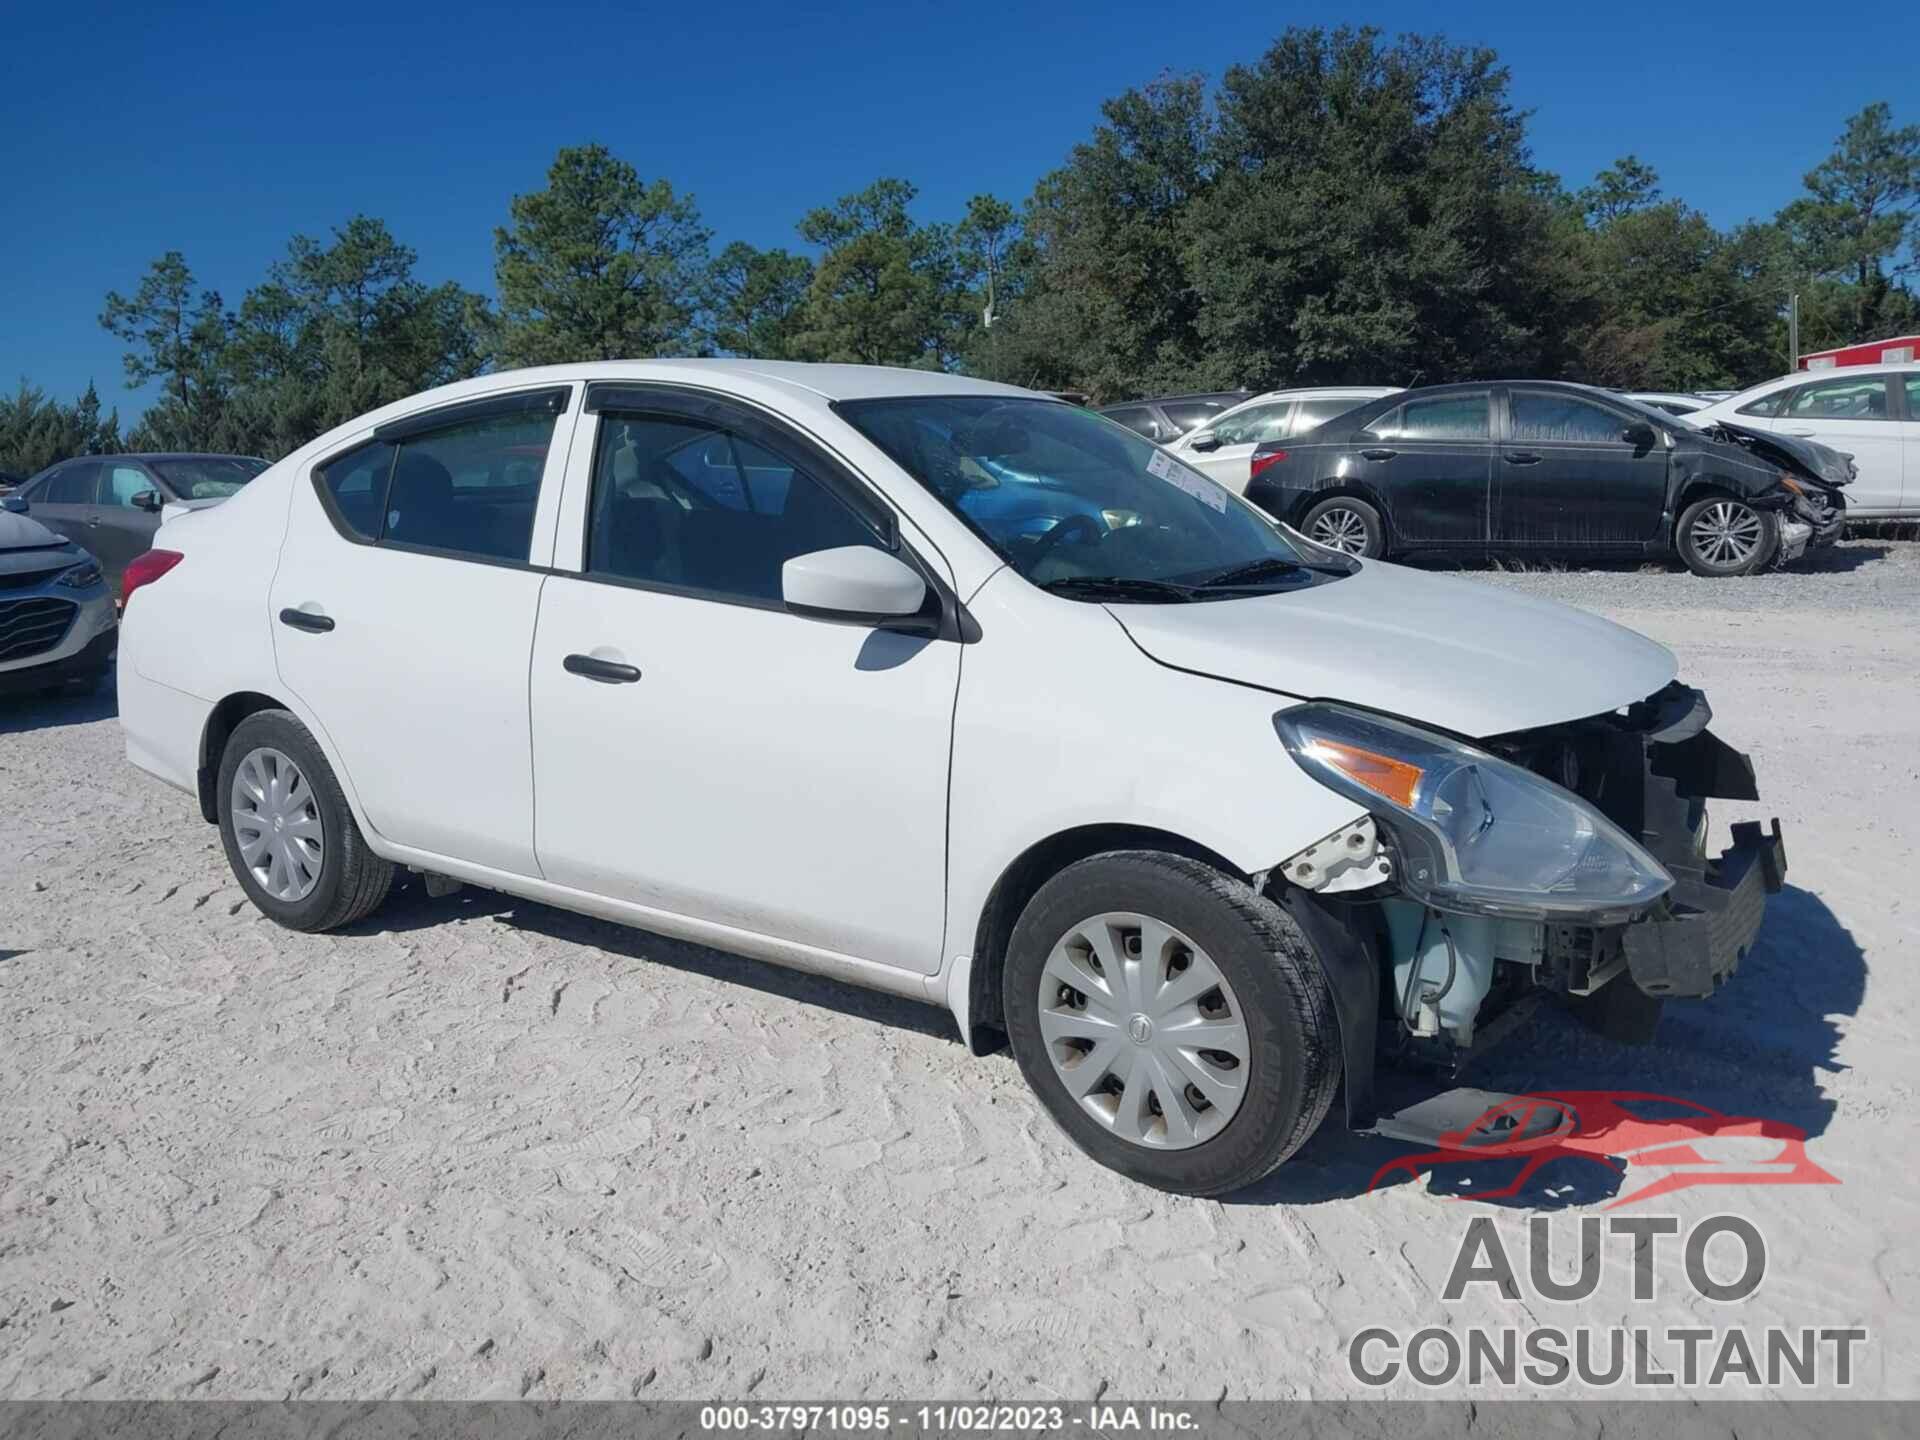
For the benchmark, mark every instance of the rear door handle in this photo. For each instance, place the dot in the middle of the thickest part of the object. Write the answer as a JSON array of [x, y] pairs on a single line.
[[306, 620], [1378, 454], [1522, 457], [609, 672]]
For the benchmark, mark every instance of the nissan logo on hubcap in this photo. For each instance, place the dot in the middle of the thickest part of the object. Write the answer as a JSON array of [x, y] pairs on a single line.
[[1141, 1029]]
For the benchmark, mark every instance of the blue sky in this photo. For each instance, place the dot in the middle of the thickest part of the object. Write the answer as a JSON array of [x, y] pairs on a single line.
[[222, 129]]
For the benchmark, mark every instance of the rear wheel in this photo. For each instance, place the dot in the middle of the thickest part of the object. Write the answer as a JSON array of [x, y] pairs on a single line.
[[1348, 525], [289, 836], [1720, 536], [1172, 1021]]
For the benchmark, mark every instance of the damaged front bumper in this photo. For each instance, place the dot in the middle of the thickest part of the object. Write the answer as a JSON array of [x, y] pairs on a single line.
[[1709, 920]]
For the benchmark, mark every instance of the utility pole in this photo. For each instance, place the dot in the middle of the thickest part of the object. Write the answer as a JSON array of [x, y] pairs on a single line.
[[1793, 329]]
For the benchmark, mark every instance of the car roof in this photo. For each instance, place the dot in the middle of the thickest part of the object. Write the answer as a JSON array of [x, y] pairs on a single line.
[[828, 381]]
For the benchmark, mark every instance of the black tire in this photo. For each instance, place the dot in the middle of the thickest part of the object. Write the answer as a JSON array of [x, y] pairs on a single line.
[[353, 881], [1294, 1050], [1375, 544], [1688, 542]]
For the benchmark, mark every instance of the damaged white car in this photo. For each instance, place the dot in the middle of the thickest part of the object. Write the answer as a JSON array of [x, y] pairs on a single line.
[[954, 690]]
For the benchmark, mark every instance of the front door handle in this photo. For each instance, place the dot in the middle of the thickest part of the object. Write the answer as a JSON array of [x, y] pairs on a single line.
[[306, 620], [1522, 457], [1803, 434], [608, 672], [1378, 454]]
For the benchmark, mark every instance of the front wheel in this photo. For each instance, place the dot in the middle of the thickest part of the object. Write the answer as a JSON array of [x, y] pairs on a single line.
[[1721, 536], [1172, 1021], [289, 836], [1353, 527]]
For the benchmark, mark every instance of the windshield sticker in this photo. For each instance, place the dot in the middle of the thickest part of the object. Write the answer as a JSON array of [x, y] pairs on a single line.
[[1164, 467]]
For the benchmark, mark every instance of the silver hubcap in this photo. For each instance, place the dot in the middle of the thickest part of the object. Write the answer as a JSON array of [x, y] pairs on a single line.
[[276, 823], [1144, 1031], [1727, 533], [1340, 529]]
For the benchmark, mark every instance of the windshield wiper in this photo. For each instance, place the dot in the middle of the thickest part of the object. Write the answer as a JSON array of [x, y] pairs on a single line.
[[1116, 587], [1271, 567]]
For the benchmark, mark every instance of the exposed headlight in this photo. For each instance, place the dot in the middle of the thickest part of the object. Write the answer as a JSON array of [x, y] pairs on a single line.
[[1477, 833], [83, 576]]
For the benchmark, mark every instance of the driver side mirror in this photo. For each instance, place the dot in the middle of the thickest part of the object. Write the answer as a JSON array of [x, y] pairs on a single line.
[[852, 585], [13, 504], [149, 501], [1205, 441], [1641, 437]]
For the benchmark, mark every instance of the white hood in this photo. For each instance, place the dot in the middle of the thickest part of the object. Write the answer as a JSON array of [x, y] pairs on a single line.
[[1431, 649]]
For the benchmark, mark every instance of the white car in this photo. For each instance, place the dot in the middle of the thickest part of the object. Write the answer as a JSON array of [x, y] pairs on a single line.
[[771, 657], [1869, 412], [1670, 401], [1223, 447]]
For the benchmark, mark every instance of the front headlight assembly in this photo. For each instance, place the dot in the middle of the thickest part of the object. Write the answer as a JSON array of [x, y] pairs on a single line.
[[83, 576], [1476, 833]]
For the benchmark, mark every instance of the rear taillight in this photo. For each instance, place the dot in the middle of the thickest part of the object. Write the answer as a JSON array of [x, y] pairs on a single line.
[[1264, 463], [145, 569]]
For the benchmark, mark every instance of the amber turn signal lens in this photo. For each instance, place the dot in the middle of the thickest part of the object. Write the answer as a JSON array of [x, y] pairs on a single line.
[[1382, 774]]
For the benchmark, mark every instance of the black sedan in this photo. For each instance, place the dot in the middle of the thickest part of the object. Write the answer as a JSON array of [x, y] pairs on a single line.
[[111, 503], [1548, 468]]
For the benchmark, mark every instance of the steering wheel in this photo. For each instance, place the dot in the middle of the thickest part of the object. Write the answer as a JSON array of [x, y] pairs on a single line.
[[1081, 521]]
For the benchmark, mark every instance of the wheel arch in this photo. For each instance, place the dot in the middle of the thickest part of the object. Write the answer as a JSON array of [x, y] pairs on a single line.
[[1348, 953], [1022, 879], [221, 723]]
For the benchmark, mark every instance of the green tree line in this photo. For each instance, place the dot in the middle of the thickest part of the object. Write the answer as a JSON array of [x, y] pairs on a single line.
[[1343, 208]]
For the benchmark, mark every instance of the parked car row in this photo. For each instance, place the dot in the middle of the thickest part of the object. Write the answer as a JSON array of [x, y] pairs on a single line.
[[1730, 484], [1550, 467]]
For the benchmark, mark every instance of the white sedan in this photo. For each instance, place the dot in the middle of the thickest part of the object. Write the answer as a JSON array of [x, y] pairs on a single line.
[[946, 688], [1868, 412], [1223, 447]]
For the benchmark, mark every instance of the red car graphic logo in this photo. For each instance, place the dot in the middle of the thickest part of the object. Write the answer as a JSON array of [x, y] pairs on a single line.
[[1622, 1130]]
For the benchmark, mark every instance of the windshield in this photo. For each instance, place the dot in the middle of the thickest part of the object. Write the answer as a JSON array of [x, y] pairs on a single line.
[[1081, 505], [208, 477], [1652, 414]]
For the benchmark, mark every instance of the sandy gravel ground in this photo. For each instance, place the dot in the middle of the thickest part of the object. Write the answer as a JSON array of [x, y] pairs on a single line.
[[481, 1148]]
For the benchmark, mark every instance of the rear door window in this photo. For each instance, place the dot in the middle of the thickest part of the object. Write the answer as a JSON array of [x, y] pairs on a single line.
[[74, 485], [1443, 417], [1139, 419], [1856, 398], [471, 488], [1188, 414], [1312, 414], [1254, 424], [357, 481]]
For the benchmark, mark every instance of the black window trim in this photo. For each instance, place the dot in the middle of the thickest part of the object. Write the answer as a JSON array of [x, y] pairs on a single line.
[[487, 407], [786, 441]]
